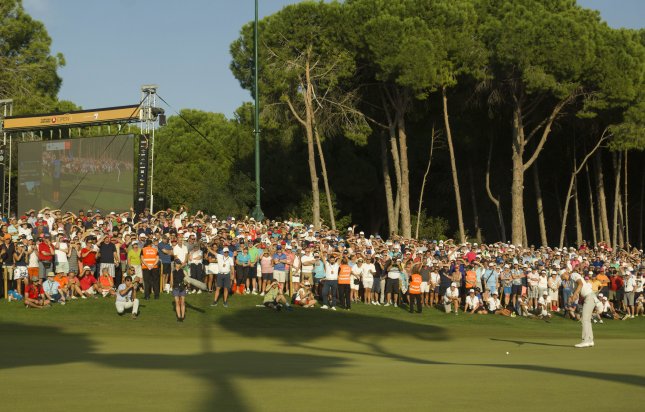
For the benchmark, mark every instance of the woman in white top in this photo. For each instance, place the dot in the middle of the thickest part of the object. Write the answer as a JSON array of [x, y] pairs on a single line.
[[357, 272], [368, 271], [60, 254]]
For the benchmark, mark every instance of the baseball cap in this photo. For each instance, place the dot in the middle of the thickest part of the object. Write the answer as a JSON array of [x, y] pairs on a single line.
[[225, 250], [86, 268], [453, 284], [471, 291]]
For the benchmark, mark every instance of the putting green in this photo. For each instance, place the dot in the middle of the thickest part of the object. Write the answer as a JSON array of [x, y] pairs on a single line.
[[242, 358]]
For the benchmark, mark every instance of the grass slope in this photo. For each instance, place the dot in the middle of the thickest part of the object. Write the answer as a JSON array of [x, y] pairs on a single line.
[[83, 356]]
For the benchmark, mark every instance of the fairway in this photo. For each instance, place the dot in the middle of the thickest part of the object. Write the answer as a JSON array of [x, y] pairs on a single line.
[[83, 356]]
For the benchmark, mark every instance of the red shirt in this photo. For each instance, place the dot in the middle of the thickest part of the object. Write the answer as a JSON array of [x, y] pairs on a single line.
[[90, 259], [44, 247], [87, 281], [34, 291]]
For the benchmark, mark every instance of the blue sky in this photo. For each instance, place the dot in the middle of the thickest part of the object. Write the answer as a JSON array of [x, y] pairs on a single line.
[[112, 47]]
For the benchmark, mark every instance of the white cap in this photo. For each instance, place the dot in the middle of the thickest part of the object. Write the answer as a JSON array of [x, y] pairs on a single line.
[[225, 250], [453, 284], [471, 291]]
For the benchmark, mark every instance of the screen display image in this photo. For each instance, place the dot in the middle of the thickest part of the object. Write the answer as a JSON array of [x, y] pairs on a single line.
[[77, 174]]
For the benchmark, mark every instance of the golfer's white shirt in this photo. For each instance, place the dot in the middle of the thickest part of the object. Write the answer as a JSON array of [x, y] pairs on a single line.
[[224, 263], [586, 286]]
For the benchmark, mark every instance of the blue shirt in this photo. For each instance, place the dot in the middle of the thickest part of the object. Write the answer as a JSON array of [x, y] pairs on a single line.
[[163, 258], [279, 256], [319, 270], [243, 258]]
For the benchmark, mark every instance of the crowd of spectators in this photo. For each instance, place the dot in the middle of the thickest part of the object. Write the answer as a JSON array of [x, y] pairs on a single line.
[[50, 256]]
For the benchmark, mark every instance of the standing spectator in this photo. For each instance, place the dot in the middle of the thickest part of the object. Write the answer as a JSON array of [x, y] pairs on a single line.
[[330, 285], [424, 271], [126, 298], [74, 255], [150, 269], [394, 273], [630, 287], [357, 272], [164, 250], [415, 290], [506, 281], [554, 286], [242, 266], [344, 284], [195, 261], [45, 256], [89, 253], [61, 254], [179, 291], [223, 280], [368, 271], [279, 267], [533, 279], [378, 287], [134, 260], [212, 269], [20, 273], [266, 267], [108, 256]]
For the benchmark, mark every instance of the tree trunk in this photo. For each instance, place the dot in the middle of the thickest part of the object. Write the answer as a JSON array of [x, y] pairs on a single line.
[[473, 200], [602, 200], [572, 181], [626, 217], [423, 184], [490, 194], [406, 224], [540, 205], [397, 173], [617, 161], [517, 187], [323, 166], [577, 210], [453, 167], [392, 219], [309, 120], [640, 225], [591, 208]]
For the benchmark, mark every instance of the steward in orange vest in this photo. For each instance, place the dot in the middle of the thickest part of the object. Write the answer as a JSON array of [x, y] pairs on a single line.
[[415, 292], [344, 281], [150, 269]]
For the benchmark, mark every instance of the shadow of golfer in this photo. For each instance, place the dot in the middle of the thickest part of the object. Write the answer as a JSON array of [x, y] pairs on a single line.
[[522, 342]]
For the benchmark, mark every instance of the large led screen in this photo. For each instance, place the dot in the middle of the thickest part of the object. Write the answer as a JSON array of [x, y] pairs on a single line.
[[77, 174]]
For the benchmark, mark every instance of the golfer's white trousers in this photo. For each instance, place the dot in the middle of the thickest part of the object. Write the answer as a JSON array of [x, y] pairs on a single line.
[[587, 310], [122, 306]]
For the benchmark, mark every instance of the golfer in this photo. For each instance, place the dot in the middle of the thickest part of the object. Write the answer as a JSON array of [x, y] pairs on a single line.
[[583, 289], [179, 290]]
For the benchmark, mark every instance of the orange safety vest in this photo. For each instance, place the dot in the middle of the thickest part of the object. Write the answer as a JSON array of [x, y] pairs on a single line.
[[344, 274], [149, 256], [471, 278], [415, 284]]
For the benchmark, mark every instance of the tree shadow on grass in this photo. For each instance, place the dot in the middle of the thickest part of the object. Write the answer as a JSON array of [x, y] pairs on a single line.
[[27, 346], [305, 327]]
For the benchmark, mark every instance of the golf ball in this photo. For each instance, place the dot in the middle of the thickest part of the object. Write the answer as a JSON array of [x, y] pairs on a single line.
[[507, 353]]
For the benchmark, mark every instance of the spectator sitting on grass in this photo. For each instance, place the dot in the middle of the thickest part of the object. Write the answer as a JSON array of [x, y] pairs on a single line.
[[305, 297], [106, 283], [52, 290], [543, 305], [451, 299], [34, 295], [88, 283], [473, 304], [273, 298], [523, 306], [571, 311]]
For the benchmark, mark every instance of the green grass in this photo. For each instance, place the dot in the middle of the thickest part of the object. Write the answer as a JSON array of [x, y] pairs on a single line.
[[83, 356]]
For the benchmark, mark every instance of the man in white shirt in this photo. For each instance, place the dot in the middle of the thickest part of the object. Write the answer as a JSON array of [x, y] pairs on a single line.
[[543, 305], [472, 302], [630, 286], [223, 279], [584, 289], [451, 299], [126, 298], [330, 285]]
